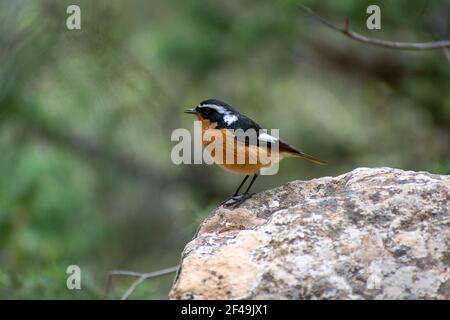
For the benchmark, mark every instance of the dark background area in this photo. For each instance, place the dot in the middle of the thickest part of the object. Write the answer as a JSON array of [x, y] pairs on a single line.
[[86, 117]]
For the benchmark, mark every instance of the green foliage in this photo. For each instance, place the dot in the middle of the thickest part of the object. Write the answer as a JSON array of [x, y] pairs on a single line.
[[86, 117]]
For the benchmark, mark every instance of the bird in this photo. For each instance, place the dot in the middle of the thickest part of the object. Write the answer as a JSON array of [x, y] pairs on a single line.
[[222, 120]]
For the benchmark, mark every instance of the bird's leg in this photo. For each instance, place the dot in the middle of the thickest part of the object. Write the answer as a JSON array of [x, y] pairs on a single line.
[[246, 195], [240, 186], [236, 192], [251, 183]]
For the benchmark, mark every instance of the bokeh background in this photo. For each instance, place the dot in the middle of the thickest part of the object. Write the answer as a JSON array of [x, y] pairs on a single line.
[[86, 118]]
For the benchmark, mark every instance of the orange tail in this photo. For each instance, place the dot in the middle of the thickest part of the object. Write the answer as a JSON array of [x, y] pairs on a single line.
[[307, 157]]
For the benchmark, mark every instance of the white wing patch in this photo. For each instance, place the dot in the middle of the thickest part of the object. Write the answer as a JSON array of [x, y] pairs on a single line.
[[267, 137], [230, 118]]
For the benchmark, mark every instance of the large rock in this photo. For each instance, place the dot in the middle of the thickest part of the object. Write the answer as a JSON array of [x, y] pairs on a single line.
[[369, 234]]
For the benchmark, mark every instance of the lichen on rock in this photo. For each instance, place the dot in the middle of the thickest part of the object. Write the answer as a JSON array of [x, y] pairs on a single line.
[[368, 234]]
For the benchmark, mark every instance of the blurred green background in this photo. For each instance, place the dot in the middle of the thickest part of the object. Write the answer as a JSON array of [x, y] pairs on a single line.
[[86, 118]]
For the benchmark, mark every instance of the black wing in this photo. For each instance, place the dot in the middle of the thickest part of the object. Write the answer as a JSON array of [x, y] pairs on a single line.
[[245, 130], [248, 131]]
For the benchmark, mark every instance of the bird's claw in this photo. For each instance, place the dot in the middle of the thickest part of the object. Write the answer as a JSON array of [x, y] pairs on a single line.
[[225, 202], [235, 200]]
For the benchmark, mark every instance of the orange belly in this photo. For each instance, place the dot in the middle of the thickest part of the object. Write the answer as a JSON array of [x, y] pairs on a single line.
[[242, 168], [233, 155]]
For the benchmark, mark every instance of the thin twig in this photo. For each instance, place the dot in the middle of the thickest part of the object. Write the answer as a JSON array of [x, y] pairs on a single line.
[[377, 42], [446, 52], [141, 277]]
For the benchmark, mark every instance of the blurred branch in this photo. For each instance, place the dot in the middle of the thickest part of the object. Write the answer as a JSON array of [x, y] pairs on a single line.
[[377, 42], [93, 149], [87, 146], [141, 277], [446, 52], [7, 44]]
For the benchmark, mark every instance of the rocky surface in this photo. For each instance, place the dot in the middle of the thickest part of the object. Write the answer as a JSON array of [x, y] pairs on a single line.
[[369, 234]]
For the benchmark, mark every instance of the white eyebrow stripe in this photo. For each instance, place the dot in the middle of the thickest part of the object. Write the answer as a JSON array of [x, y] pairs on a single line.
[[230, 118], [219, 109], [267, 137]]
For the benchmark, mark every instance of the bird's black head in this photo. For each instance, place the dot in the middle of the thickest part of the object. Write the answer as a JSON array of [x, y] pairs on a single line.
[[216, 111]]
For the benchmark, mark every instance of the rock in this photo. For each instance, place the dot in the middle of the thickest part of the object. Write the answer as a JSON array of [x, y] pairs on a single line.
[[369, 234]]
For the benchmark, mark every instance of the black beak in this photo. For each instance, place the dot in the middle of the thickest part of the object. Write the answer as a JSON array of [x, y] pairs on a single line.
[[191, 111]]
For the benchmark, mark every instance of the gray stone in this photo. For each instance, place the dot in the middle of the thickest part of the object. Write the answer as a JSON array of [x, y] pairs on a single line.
[[369, 234]]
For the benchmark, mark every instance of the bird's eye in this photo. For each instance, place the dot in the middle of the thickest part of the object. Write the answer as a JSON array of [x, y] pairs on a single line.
[[206, 111]]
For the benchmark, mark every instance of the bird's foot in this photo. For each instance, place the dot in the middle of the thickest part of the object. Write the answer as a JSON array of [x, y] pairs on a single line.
[[230, 199], [235, 200]]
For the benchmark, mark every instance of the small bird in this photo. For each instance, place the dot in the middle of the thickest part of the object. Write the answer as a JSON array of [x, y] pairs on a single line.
[[224, 120]]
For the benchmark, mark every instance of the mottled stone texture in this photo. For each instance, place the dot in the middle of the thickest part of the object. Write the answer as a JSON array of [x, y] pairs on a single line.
[[369, 234]]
